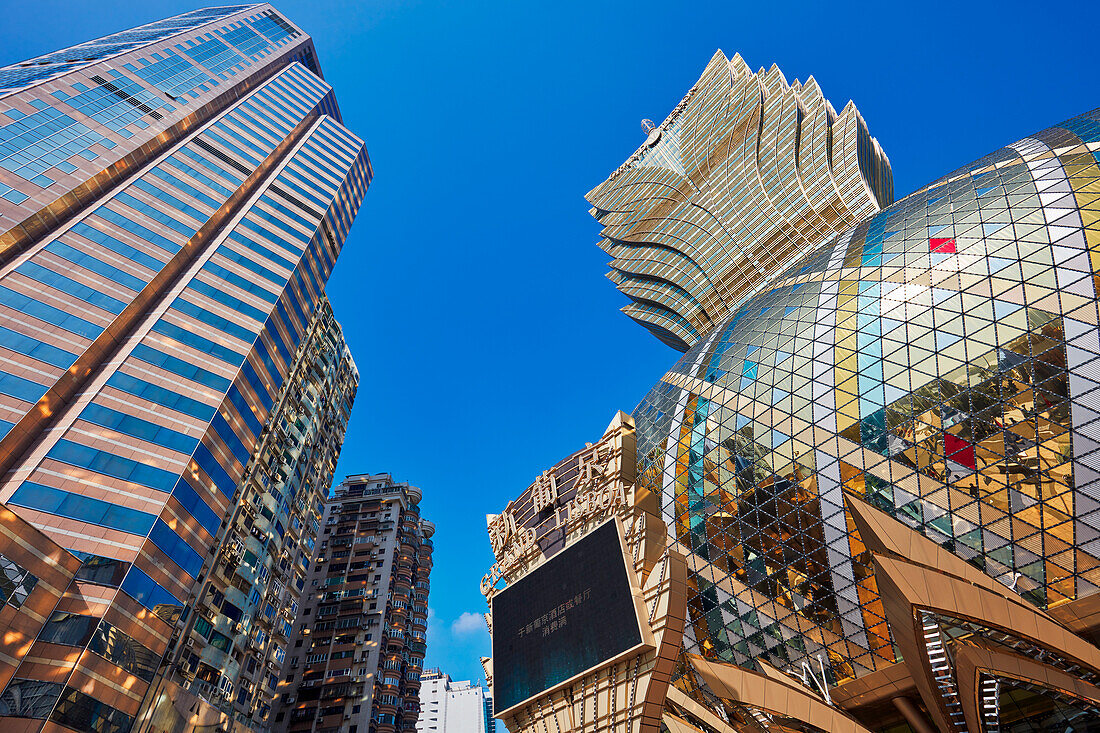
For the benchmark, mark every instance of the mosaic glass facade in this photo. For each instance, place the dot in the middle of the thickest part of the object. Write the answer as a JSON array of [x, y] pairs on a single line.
[[939, 360]]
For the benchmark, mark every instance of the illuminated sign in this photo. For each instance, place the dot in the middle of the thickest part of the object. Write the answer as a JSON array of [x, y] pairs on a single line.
[[576, 612]]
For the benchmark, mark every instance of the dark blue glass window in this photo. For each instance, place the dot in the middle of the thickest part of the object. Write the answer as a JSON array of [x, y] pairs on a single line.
[[257, 384], [178, 366], [47, 313], [109, 464], [187, 188], [88, 262], [229, 437], [206, 461], [176, 548], [246, 285], [238, 400], [20, 388], [85, 508], [214, 320], [156, 214], [196, 507], [117, 246], [160, 395], [264, 252], [210, 166], [138, 428], [145, 591], [139, 231], [195, 341], [66, 284]]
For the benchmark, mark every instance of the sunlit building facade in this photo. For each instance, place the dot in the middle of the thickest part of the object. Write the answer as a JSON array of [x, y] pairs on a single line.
[[263, 557], [880, 467], [747, 172], [447, 706], [174, 387]]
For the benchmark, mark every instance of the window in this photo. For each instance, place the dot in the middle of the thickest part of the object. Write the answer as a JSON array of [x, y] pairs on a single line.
[[68, 628], [15, 583], [29, 698], [86, 508], [124, 651], [203, 627], [220, 641], [231, 612], [83, 712], [102, 570], [176, 548], [145, 591]]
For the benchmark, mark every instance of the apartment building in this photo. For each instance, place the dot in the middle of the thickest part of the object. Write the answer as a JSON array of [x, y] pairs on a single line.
[[358, 643]]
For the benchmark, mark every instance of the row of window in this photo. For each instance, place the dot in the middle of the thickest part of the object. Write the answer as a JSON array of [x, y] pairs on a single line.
[[27, 305], [197, 342], [104, 513], [109, 464], [32, 145], [61, 704], [73, 629], [62, 503], [138, 428], [293, 311]]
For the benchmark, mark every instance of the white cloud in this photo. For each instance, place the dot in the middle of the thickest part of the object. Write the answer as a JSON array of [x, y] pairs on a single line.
[[468, 623]]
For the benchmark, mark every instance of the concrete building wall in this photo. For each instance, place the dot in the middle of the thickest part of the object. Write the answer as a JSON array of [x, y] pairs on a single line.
[[452, 707]]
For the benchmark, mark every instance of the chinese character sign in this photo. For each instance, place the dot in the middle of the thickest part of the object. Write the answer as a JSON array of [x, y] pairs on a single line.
[[544, 492]]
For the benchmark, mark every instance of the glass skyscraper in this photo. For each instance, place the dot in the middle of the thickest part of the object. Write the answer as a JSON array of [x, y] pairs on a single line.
[[746, 171], [174, 387]]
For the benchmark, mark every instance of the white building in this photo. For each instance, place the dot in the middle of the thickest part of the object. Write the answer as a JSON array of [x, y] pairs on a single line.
[[453, 707]]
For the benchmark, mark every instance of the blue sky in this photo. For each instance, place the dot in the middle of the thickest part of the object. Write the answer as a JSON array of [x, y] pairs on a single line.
[[471, 289]]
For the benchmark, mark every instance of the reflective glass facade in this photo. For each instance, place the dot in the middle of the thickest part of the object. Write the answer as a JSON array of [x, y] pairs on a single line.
[[882, 459], [936, 361], [174, 387], [746, 173]]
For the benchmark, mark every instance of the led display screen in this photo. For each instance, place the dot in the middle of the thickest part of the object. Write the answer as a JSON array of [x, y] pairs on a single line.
[[571, 614]]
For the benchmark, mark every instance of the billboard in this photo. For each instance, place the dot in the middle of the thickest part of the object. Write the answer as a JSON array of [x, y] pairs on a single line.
[[577, 611]]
